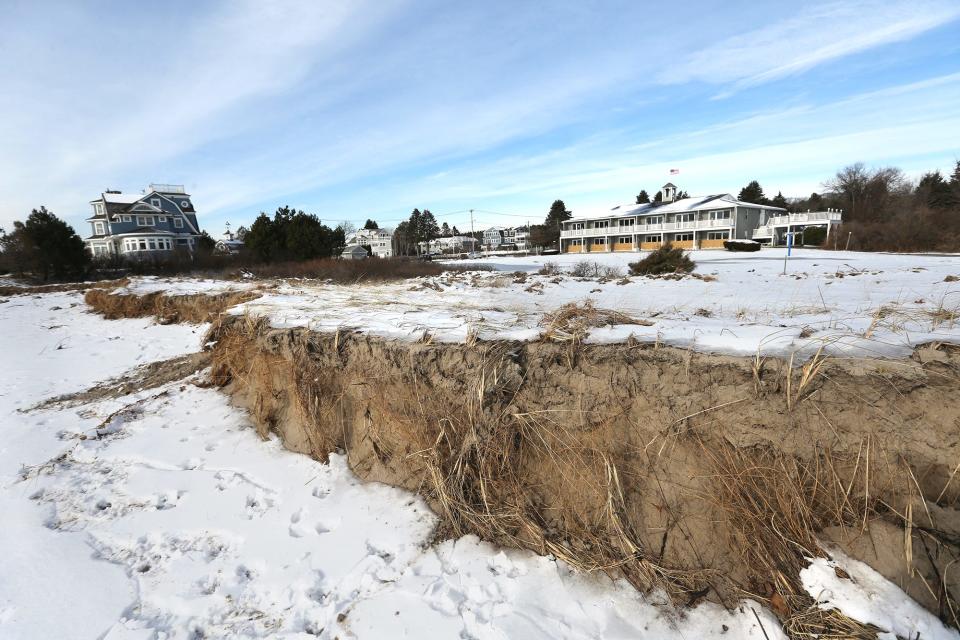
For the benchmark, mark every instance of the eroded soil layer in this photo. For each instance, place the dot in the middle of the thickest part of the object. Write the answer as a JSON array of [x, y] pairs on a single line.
[[709, 476]]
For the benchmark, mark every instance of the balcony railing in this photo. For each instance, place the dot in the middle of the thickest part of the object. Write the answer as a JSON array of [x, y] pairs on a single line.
[[804, 218], [647, 228]]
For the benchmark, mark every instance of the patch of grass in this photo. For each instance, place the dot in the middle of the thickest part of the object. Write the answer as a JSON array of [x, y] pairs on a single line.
[[571, 322], [351, 271], [666, 259]]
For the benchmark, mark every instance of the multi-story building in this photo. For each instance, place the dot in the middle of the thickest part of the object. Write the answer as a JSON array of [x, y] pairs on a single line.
[[691, 223], [380, 241], [516, 237], [160, 219]]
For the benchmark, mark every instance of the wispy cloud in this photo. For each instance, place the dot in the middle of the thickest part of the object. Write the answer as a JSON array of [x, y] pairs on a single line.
[[816, 35]]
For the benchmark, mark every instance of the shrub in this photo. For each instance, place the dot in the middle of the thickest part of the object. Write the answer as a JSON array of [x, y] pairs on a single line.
[[814, 236], [741, 245], [666, 259], [549, 269], [591, 269]]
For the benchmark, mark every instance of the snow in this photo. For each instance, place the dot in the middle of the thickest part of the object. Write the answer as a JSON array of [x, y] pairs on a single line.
[[182, 286], [866, 596], [850, 304], [177, 521], [174, 520]]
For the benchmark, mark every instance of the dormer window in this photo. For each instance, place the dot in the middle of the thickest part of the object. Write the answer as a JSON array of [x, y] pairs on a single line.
[[98, 228], [155, 202], [98, 208]]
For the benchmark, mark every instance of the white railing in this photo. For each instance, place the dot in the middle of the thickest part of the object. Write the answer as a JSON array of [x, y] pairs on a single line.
[[804, 218], [167, 188], [647, 228]]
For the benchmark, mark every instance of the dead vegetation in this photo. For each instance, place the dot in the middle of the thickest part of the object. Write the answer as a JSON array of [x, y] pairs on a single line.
[[572, 322], [26, 290], [643, 461], [167, 309]]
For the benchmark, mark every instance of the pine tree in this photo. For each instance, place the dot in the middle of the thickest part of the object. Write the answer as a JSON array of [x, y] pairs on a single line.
[[658, 197], [752, 193], [45, 245], [445, 230], [642, 197], [557, 214], [370, 224], [779, 200], [454, 231]]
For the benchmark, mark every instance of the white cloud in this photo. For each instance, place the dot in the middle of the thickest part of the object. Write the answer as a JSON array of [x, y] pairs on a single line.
[[816, 35]]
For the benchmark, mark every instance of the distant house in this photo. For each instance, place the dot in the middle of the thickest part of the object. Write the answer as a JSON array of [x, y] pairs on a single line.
[[508, 237], [380, 241], [230, 243], [160, 219], [354, 252], [449, 244]]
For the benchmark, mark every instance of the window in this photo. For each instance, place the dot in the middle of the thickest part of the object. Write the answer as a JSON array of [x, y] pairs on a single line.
[[652, 239], [655, 220], [144, 221], [577, 226], [601, 224], [599, 241], [184, 203], [577, 242], [143, 244], [683, 237], [152, 244], [686, 217], [98, 228], [177, 223], [161, 218], [126, 218], [155, 202], [624, 240], [626, 223], [720, 215], [716, 235]]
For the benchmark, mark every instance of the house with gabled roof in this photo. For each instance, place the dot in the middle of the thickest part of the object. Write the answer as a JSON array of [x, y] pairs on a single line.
[[160, 219], [702, 222]]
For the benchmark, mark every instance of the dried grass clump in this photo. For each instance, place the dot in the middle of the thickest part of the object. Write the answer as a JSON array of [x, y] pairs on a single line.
[[57, 288], [572, 322], [166, 309], [593, 269], [666, 259], [776, 505]]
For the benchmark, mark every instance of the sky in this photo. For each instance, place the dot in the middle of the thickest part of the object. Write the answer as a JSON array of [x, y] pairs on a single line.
[[366, 109]]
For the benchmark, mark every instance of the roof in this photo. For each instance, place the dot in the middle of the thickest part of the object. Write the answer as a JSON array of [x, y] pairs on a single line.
[[354, 248], [122, 198], [697, 203], [669, 184]]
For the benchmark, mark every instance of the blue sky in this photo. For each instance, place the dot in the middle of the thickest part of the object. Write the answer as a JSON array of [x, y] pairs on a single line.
[[367, 109]]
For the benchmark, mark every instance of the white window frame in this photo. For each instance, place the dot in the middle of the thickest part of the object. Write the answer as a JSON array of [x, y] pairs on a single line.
[[161, 218], [155, 202], [127, 219], [599, 241], [184, 203], [717, 235], [142, 221], [624, 240], [98, 229], [177, 223]]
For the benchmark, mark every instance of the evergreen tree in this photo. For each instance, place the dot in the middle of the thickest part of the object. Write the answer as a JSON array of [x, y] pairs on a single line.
[[429, 229], [46, 246], [206, 244], [454, 231], [815, 202], [658, 197], [445, 230], [557, 214], [752, 193], [642, 197], [779, 200], [681, 195], [935, 191], [955, 176], [370, 224]]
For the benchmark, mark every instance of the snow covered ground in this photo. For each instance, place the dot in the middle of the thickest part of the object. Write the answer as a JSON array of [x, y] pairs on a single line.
[[172, 519], [854, 304]]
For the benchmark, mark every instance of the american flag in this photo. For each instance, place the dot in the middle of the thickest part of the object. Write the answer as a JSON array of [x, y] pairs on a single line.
[[674, 172]]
